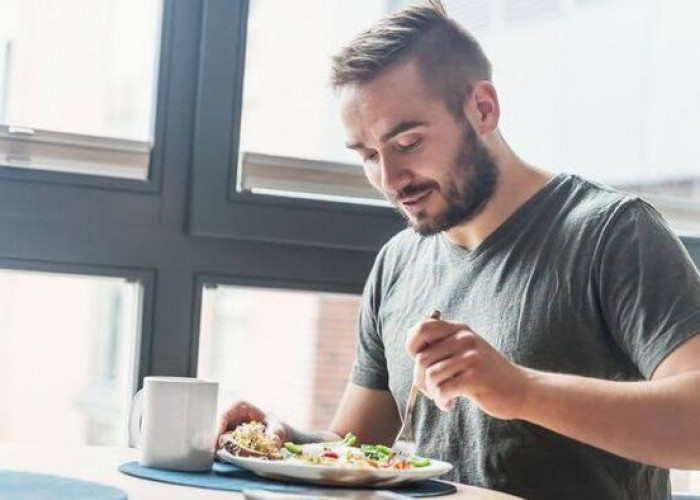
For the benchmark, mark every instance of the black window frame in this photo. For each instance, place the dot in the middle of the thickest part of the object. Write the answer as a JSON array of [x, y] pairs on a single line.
[[185, 228], [152, 184], [218, 209], [84, 224]]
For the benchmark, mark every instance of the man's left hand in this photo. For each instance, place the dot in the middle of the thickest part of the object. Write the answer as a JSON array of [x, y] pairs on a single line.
[[451, 360]]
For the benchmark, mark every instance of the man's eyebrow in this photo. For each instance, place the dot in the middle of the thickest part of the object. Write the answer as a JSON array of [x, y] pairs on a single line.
[[395, 130], [400, 128]]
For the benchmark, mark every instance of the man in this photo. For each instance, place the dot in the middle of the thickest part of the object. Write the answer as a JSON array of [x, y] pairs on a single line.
[[567, 360]]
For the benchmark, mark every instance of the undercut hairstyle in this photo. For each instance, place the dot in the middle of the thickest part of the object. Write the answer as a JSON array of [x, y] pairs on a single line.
[[449, 58]]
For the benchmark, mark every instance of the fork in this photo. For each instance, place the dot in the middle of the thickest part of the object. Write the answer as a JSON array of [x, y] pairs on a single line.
[[404, 444]]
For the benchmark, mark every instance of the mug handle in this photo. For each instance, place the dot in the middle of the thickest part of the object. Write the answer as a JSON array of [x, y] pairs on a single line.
[[135, 414]]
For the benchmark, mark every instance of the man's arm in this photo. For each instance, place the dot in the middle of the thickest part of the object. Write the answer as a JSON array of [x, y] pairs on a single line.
[[655, 422], [370, 414]]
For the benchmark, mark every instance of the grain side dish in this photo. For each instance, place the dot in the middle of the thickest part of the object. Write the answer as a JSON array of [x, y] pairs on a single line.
[[249, 440]]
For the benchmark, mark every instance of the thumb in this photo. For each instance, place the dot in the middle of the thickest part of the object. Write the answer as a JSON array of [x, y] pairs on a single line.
[[276, 431]]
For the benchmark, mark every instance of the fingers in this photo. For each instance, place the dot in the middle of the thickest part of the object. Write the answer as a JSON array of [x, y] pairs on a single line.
[[459, 341], [241, 412], [454, 387], [439, 373], [446, 352], [237, 414], [428, 332], [456, 344], [276, 430]]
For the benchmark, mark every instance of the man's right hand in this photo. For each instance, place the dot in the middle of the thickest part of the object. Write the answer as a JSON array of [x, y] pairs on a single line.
[[241, 412]]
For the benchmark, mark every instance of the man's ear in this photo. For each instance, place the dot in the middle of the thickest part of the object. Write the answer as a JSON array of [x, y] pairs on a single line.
[[481, 107]]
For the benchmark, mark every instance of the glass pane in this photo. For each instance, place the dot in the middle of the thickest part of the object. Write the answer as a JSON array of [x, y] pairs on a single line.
[[598, 105], [68, 346], [79, 66], [277, 128], [289, 352], [686, 481], [77, 85]]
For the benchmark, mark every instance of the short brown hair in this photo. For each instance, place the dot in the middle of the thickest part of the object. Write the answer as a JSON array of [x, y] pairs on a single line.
[[449, 58]]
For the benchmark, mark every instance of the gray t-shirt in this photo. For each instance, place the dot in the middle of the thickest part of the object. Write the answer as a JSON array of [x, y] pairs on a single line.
[[581, 279]]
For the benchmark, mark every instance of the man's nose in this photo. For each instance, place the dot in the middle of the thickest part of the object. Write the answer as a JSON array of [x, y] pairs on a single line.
[[394, 175]]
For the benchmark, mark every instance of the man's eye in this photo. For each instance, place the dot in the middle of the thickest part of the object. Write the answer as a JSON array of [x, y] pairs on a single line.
[[371, 158], [413, 146]]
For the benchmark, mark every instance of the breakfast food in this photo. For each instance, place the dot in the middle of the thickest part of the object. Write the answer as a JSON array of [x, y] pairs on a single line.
[[249, 440]]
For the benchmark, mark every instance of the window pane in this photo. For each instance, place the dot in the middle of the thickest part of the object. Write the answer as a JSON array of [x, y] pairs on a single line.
[[596, 105], [685, 481], [276, 129], [75, 69], [67, 351], [586, 87], [286, 351]]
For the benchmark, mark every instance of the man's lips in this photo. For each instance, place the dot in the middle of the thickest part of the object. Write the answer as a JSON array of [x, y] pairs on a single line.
[[414, 202]]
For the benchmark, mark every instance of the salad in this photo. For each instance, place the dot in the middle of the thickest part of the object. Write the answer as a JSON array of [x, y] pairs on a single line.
[[249, 440]]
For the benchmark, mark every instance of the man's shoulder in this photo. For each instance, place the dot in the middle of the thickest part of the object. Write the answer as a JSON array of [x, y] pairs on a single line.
[[597, 218], [589, 202]]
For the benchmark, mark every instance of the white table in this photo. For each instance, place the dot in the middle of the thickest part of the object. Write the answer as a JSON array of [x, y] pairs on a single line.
[[99, 464]]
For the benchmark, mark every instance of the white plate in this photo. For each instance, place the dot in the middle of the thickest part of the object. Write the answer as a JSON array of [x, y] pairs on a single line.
[[336, 476]]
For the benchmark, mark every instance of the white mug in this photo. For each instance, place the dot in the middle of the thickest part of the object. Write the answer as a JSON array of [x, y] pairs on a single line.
[[172, 422]]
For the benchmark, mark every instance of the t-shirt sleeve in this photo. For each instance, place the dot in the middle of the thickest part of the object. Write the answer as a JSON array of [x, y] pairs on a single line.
[[369, 368], [649, 287]]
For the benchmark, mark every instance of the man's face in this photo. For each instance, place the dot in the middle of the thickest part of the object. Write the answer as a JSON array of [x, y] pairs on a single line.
[[431, 166]]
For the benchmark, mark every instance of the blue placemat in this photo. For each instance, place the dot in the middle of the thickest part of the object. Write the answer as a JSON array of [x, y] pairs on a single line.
[[232, 478], [18, 485]]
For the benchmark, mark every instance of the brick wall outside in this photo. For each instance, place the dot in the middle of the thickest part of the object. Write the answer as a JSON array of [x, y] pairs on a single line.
[[335, 352]]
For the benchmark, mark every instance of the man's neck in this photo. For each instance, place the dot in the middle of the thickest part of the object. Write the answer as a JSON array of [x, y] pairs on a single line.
[[517, 183]]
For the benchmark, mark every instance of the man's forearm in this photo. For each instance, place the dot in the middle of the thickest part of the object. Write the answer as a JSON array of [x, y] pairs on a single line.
[[655, 422]]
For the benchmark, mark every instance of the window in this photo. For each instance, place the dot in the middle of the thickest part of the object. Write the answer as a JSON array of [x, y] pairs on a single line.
[[289, 131], [598, 105], [286, 351], [294, 146], [67, 350], [607, 89], [190, 229], [81, 232], [77, 85]]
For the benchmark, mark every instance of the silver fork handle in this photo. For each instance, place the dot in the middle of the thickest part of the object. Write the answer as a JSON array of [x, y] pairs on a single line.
[[408, 413], [407, 421]]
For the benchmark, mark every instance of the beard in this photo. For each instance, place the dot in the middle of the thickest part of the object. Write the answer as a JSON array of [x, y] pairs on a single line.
[[472, 182]]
